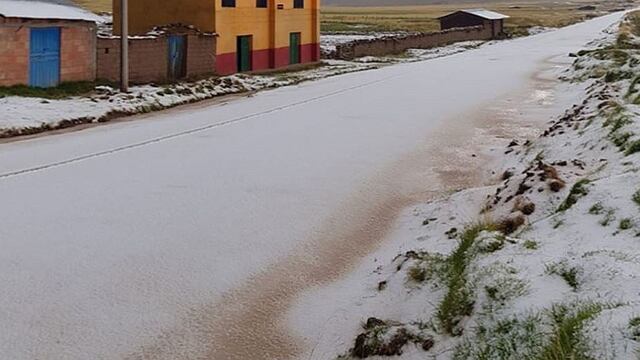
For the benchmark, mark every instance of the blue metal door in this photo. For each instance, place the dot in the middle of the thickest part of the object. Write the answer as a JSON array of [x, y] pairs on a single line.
[[177, 57], [44, 57]]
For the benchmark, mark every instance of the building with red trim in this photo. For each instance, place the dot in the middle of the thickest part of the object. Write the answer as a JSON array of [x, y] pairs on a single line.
[[252, 35]]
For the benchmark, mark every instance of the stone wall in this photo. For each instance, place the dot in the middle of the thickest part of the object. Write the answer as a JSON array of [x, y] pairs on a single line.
[[148, 58], [77, 50], [399, 44]]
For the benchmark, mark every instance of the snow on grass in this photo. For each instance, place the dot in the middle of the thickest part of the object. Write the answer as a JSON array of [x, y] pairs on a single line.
[[554, 276]]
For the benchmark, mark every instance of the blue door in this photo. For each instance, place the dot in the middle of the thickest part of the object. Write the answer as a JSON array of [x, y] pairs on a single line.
[[177, 57], [44, 57]]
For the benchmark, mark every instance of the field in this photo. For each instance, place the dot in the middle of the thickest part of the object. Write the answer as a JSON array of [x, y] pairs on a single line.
[[424, 18], [524, 14]]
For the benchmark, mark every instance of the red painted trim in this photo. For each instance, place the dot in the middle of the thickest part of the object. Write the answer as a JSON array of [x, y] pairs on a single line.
[[267, 58], [226, 64], [309, 53], [261, 59]]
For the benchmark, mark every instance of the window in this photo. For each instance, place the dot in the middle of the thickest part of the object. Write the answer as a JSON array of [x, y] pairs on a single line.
[[298, 4], [261, 3], [229, 3]]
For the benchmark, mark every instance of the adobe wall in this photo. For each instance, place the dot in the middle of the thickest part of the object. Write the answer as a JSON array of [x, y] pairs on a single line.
[[148, 58], [77, 50], [398, 45]]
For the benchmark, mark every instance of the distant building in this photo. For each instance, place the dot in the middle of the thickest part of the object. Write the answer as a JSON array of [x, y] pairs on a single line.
[[45, 43], [475, 17], [250, 34]]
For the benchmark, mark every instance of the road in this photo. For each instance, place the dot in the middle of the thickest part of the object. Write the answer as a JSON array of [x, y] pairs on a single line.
[[155, 238]]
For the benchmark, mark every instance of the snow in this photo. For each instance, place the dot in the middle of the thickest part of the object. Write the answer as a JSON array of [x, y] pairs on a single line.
[[587, 238], [23, 115], [122, 240], [44, 10]]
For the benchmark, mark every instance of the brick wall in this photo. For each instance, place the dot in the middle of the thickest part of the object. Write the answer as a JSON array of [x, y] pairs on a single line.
[[148, 58], [14, 54], [397, 45], [77, 54], [201, 55]]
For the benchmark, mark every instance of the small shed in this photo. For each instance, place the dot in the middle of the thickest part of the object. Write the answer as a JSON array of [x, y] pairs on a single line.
[[475, 17], [45, 43]]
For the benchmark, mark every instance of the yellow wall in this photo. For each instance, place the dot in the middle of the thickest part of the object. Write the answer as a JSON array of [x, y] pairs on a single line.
[[227, 22], [246, 19], [144, 15]]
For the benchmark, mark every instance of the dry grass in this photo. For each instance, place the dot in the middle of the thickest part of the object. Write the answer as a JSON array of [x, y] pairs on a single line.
[[95, 5], [424, 18]]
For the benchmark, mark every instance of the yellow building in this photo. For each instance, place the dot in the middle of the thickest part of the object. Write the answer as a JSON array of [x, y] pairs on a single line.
[[252, 34]]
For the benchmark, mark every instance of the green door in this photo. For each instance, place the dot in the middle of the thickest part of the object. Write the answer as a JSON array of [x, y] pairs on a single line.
[[294, 48], [244, 53]]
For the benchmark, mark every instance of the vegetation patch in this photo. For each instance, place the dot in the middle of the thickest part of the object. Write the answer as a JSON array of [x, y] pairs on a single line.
[[636, 197], [568, 340], [530, 245], [579, 190], [387, 338], [596, 209], [634, 328], [625, 224], [509, 338], [568, 273], [458, 301], [633, 148], [61, 91], [554, 334]]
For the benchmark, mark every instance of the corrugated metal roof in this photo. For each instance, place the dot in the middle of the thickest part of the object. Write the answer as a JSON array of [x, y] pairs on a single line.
[[483, 13], [44, 10]]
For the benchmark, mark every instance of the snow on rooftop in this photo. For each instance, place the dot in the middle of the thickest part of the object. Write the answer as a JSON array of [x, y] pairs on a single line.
[[44, 10], [484, 13]]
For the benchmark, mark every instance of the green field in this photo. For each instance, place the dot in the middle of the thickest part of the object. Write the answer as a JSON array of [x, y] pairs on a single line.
[[524, 14]]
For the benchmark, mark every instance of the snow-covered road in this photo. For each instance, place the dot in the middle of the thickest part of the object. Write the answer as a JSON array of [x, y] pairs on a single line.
[[115, 238]]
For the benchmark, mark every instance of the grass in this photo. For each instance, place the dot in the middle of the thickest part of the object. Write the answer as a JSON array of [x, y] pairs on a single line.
[[458, 301], [633, 148], [96, 5], [567, 340], [625, 224], [530, 245], [596, 209], [553, 334], [423, 18], [609, 216], [578, 191], [568, 273], [61, 91], [508, 338], [636, 197]]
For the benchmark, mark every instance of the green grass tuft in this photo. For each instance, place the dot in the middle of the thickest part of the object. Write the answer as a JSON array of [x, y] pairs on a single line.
[[596, 209], [567, 340], [636, 197], [530, 245], [578, 191], [568, 273], [625, 224], [458, 301], [633, 148]]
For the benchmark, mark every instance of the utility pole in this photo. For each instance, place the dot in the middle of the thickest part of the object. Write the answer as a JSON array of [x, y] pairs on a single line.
[[124, 46]]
